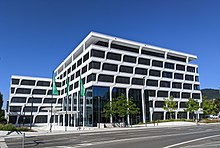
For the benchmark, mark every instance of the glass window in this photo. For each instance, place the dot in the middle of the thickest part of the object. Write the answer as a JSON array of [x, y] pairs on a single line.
[[178, 76], [39, 91], [114, 56], [189, 77], [167, 74], [30, 108], [191, 69], [74, 67], [157, 63], [76, 84], [196, 87], [101, 43], [97, 53], [162, 94], [15, 108], [41, 119], [12, 90], [185, 95], [143, 61], [129, 59], [123, 80], [196, 95], [72, 77], [152, 83], [169, 65], [91, 77], [176, 58], [159, 104], [116, 92], [197, 78], [110, 67], [79, 62], [151, 93], [15, 81], [125, 48], [137, 81], [106, 78], [28, 82], [151, 53], [34, 100], [86, 57], [187, 86], [77, 73], [183, 105], [180, 67], [155, 73], [50, 100], [175, 94], [23, 91], [177, 85], [84, 69], [126, 69], [141, 71], [165, 84], [18, 100], [94, 65], [43, 83]]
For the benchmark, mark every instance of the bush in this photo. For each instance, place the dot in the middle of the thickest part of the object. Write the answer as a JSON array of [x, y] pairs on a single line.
[[10, 127]]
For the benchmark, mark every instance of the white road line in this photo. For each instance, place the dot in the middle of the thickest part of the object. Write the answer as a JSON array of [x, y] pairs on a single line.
[[189, 141]]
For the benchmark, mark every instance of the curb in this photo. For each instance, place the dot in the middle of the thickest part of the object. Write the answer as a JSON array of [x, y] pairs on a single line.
[[3, 143]]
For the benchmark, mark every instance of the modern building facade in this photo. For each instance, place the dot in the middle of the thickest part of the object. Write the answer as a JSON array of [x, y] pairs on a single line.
[[111, 66]]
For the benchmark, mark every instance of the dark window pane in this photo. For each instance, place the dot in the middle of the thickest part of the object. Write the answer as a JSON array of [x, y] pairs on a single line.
[[189, 77], [50, 100], [185, 95], [91, 77], [162, 94], [196, 96], [106, 78], [196, 87], [97, 53], [138, 81], [155, 73], [176, 58], [110, 67], [126, 69], [190, 69], [167, 74], [177, 85], [197, 78], [34, 100], [12, 90], [43, 83], [125, 48], [114, 56], [151, 93], [178, 76], [175, 94], [84, 69], [69, 70], [39, 92], [183, 105], [180, 67], [151, 53], [141, 71], [165, 84], [129, 59], [157, 63], [152, 83], [15, 108], [74, 66], [123, 80], [94, 65], [159, 104], [187, 86], [18, 100], [143, 61], [15, 81], [30, 109], [28, 82], [23, 91], [76, 84], [86, 57], [41, 119], [101, 43], [169, 65], [77, 73], [79, 62]]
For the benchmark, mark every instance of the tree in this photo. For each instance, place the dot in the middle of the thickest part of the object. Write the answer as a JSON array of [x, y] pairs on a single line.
[[170, 105], [192, 106], [120, 107], [209, 106], [2, 118]]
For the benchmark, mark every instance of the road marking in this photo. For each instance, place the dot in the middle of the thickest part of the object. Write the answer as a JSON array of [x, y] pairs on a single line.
[[189, 141]]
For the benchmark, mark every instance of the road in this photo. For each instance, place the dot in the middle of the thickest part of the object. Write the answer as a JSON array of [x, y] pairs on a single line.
[[207, 136]]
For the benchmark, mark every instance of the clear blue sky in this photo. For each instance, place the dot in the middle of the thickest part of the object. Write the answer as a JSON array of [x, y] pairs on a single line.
[[35, 36]]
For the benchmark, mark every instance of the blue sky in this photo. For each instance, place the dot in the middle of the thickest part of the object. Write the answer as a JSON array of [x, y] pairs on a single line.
[[35, 36]]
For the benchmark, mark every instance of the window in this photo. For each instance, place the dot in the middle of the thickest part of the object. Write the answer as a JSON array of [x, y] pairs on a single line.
[[152, 83], [167, 74], [110, 67], [86, 57], [12, 90], [49, 92], [71, 87], [129, 59], [196, 87], [176, 58], [125, 48], [187, 86], [157, 63], [77, 73], [196, 96], [165, 84], [159, 104], [189, 77], [28, 82], [141, 71], [114, 56], [97, 53], [177, 85], [162, 94], [180, 67], [123, 80], [76, 84], [183, 105], [18, 100], [84, 69], [79, 62], [43, 83], [23, 91], [91, 77], [41, 119], [39, 91], [15, 81], [30, 109], [155, 73], [185, 95], [178, 76], [94, 65], [151, 93], [197, 78], [101, 43], [151, 53], [143, 61], [169, 65], [137, 81], [72, 77], [190, 69], [15, 108], [106, 78], [50, 100], [175, 94], [197, 70], [74, 67], [58, 84], [126, 69], [34, 100]]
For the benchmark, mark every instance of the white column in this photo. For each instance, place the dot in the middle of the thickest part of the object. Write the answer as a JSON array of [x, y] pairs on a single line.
[[143, 107], [64, 114], [111, 119], [128, 117], [74, 115], [176, 115], [187, 115], [48, 119], [151, 115], [77, 106], [84, 110], [164, 115], [58, 122]]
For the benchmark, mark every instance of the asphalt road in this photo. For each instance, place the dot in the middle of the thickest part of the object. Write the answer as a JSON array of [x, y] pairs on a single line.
[[207, 136]]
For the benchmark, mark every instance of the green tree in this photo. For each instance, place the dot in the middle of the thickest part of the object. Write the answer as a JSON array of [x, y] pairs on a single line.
[[209, 106], [217, 102], [192, 106], [1, 104], [170, 105], [120, 107]]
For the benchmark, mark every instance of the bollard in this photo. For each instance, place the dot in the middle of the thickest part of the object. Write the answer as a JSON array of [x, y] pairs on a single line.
[[23, 140]]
